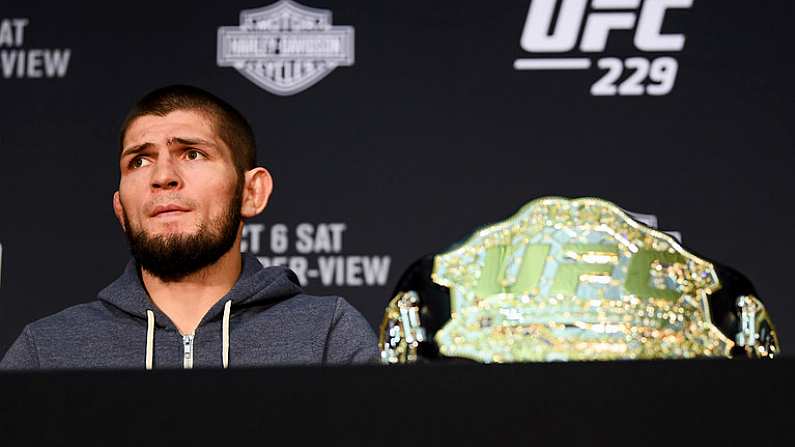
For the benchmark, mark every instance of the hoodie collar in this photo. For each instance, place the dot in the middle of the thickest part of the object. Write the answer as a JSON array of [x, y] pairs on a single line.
[[256, 284]]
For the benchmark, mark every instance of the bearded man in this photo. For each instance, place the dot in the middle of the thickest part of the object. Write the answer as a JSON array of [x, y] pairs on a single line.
[[189, 298]]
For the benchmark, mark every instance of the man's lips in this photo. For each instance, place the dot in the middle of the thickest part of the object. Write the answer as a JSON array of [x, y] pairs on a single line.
[[168, 210]]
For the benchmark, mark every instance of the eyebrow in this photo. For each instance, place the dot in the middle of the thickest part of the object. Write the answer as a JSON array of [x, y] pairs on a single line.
[[135, 149], [180, 140], [191, 141]]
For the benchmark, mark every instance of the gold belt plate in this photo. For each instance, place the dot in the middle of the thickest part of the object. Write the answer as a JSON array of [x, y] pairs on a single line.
[[576, 280]]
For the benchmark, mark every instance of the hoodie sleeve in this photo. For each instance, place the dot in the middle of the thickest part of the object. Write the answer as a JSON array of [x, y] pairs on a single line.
[[350, 338], [22, 354]]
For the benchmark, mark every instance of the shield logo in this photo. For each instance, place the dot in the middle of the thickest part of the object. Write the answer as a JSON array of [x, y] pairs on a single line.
[[285, 47]]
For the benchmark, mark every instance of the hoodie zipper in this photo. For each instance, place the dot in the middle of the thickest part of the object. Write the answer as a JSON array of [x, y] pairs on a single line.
[[187, 358]]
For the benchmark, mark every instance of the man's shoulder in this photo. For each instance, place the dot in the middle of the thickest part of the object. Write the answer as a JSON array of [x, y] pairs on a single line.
[[325, 306], [85, 316], [315, 312], [333, 309], [343, 332], [304, 312], [307, 302]]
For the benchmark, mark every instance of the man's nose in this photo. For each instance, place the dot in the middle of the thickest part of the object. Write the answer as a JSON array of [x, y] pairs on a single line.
[[165, 175]]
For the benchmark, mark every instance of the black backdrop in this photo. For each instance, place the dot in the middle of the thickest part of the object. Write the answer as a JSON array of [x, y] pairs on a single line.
[[430, 133]]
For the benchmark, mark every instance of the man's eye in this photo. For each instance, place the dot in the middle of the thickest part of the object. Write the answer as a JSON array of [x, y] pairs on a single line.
[[193, 154], [139, 162]]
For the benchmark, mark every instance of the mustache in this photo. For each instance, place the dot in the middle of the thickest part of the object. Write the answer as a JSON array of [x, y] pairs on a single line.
[[171, 199]]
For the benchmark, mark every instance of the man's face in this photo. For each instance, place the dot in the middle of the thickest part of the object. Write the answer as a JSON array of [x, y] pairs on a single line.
[[178, 193]]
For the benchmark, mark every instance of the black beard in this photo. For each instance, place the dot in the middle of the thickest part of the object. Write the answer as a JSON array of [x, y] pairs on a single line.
[[175, 256]]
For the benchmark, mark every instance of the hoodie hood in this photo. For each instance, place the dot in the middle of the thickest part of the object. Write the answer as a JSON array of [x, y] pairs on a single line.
[[256, 286]]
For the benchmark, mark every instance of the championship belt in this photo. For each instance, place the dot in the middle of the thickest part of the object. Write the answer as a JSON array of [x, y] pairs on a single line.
[[572, 280]]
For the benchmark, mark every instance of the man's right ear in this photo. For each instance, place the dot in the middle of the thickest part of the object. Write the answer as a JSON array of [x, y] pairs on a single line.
[[118, 210]]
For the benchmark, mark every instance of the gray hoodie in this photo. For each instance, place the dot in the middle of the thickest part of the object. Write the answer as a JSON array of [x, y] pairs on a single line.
[[265, 319]]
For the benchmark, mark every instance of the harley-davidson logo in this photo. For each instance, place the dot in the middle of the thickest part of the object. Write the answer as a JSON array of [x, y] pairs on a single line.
[[285, 47]]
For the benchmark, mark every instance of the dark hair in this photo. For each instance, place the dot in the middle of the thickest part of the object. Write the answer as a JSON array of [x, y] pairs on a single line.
[[230, 125]]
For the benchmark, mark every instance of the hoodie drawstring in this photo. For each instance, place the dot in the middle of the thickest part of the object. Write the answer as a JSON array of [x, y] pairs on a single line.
[[225, 333], [150, 335]]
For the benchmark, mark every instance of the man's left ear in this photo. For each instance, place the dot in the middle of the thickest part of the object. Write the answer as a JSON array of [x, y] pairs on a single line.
[[257, 188]]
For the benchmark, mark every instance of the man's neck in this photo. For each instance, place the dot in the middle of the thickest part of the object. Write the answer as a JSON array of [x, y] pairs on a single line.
[[187, 300]]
